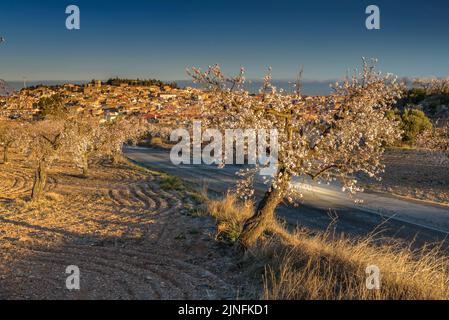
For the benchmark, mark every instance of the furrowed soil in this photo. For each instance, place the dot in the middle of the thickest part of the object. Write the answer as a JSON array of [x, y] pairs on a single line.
[[130, 238]]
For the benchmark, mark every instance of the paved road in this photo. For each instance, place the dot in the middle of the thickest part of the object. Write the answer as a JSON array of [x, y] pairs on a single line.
[[397, 218]]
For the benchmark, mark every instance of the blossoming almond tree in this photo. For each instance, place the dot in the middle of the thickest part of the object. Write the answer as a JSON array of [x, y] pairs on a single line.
[[433, 86], [86, 136], [76, 138], [437, 142], [327, 139], [115, 134], [43, 146]]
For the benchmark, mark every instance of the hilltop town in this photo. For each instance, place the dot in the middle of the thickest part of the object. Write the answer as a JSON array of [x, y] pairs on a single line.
[[107, 100], [153, 100]]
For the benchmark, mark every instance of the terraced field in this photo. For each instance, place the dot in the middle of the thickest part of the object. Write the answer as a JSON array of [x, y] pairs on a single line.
[[130, 238]]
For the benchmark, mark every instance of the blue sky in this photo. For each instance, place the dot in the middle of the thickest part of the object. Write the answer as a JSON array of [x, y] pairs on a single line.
[[161, 38]]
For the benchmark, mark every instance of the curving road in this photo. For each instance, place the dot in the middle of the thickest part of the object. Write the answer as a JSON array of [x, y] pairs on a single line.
[[408, 220]]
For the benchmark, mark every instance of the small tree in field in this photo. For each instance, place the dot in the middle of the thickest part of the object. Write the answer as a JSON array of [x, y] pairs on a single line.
[[11, 134], [44, 147], [437, 141], [85, 137], [328, 139]]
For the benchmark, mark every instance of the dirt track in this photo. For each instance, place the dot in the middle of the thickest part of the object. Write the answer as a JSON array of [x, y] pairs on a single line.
[[130, 238]]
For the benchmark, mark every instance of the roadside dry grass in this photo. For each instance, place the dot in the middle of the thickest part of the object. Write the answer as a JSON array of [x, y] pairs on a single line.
[[302, 265], [230, 216]]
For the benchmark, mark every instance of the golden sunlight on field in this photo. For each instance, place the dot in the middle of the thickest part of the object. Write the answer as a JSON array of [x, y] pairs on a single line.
[[130, 237]]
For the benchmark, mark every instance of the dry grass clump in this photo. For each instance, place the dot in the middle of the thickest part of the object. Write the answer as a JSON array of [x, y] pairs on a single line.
[[160, 143], [230, 215], [302, 265], [323, 267], [156, 141], [56, 197]]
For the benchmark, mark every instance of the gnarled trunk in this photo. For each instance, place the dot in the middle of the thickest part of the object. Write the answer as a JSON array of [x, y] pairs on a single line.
[[264, 214], [40, 180]]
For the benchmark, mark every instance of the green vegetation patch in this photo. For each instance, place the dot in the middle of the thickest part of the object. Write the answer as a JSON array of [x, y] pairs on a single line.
[[171, 183]]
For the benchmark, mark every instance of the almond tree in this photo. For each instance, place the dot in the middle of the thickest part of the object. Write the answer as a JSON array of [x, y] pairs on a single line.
[[85, 137], [43, 148], [327, 139], [11, 134], [116, 133], [433, 85], [437, 142], [78, 137]]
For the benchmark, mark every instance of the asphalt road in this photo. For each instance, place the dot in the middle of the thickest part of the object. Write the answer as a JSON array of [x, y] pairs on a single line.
[[396, 218]]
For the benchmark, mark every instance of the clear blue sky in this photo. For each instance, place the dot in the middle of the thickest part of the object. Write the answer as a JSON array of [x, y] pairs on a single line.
[[161, 38]]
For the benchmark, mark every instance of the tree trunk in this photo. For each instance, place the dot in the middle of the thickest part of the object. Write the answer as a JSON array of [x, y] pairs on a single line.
[[40, 180], [264, 215], [5, 154], [85, 166]]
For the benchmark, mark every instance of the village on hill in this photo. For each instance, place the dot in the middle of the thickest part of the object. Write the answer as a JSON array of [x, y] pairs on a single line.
[[106, 100]]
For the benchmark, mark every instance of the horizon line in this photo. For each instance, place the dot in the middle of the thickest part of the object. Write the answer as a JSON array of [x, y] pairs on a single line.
[[177, 80]]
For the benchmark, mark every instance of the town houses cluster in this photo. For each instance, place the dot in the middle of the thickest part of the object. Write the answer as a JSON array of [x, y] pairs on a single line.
[[108, 101], [166, 104]]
